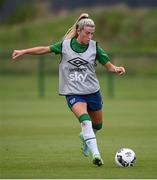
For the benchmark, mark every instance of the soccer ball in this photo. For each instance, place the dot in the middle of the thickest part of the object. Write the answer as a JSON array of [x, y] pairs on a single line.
[[125, 157]]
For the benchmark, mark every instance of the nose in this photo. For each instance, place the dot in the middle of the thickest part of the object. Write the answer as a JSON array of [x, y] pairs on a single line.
[[90, 36]]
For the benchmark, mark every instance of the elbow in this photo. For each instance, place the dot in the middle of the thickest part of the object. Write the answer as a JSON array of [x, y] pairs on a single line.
[[44, 50]]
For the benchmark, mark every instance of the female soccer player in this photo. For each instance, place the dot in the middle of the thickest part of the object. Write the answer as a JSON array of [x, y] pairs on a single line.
[[77, 78]]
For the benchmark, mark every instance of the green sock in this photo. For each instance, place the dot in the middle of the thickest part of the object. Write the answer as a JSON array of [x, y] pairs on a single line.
[[84, 117]]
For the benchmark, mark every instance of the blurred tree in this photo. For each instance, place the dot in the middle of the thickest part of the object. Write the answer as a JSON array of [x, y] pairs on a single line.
[[1, 3], [6, 8], [16, 11], [58, 5]]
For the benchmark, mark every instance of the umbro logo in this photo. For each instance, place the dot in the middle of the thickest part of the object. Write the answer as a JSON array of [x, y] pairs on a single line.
[[77, 62]]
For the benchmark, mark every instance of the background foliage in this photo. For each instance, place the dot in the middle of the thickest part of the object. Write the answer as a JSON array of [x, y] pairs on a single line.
[[39, 136]]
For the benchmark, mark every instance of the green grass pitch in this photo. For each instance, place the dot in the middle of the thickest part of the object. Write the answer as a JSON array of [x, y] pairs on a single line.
[[39, 138]]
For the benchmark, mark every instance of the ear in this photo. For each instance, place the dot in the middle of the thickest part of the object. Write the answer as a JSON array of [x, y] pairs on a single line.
[[78, 31]]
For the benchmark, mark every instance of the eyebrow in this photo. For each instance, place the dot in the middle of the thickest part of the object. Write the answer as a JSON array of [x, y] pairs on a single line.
[[90, 32]]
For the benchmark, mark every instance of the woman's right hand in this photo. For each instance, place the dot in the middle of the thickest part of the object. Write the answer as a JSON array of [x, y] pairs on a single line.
[[17, 53]]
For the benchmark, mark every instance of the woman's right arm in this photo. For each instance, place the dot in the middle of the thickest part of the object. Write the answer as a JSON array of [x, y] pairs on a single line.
[[32, 51]]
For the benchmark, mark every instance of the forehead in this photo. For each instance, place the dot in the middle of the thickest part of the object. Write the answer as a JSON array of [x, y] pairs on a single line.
[[89, 29]]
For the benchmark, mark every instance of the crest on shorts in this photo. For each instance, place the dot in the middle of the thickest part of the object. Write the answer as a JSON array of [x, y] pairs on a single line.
[[77, 62]]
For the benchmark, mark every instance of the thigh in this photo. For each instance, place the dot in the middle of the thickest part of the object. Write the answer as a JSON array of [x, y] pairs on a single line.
[[79, 108], [96, 116], [94, 102]]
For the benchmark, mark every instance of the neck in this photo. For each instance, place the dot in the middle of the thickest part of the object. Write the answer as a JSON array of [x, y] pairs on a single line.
[[80, 41]]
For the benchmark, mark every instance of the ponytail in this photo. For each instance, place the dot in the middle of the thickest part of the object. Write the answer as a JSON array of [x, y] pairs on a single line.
[[72, 32]]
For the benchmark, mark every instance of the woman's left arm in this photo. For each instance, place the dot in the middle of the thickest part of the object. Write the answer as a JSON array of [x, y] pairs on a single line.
[[115, 69]]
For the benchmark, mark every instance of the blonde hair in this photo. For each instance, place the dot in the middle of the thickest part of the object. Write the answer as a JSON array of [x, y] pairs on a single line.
[[81, 22]]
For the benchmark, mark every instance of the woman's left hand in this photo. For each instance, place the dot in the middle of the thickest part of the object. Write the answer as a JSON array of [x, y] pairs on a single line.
[[120, 70]]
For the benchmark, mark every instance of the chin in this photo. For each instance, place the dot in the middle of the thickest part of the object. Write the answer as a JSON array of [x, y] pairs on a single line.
[[87, 41]]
